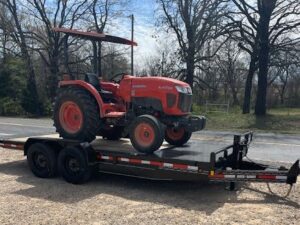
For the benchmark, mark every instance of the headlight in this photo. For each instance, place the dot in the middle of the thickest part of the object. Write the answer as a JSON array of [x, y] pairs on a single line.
[[184, 90], [181, 89], [189, 90]]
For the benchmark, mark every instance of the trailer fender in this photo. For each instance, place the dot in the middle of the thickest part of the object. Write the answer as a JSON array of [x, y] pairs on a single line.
[[55, 145], [89, 153]]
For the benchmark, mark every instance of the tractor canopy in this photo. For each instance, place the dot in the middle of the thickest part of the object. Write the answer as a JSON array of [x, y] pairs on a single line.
[[94, 36]]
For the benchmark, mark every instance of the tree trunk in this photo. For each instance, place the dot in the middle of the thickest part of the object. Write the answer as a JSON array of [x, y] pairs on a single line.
[[248, 87], [266, 8], [190, 65], [94, 61], [190, 68], [53, 79], [99, 60], [31, 101], [234, 97]]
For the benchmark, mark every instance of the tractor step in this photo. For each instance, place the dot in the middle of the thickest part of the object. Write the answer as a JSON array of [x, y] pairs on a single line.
[[114, 115]]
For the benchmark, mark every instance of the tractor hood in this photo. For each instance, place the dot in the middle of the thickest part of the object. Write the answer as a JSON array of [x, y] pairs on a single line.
[[161, 94], [159, 84]]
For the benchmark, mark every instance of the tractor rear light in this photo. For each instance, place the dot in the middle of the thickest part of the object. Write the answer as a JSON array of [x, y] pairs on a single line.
[[171, 100]]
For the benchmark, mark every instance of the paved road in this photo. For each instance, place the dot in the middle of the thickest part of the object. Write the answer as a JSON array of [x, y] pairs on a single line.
[[266, 146]]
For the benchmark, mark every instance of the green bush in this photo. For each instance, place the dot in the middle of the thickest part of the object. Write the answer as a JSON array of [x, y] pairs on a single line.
[[10, 107], [47, 108]]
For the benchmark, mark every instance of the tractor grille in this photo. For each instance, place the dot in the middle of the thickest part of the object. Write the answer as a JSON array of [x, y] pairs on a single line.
[[185, 102]]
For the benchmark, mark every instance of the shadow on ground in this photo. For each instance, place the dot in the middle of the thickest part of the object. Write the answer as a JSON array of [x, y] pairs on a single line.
[[186, 195]]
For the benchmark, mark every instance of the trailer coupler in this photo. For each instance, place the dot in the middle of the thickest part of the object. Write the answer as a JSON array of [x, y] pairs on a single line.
[[268, 175]]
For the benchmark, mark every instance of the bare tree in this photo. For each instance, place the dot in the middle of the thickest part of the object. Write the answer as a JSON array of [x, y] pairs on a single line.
[[18, 34], [194, 22], [231, 68], [266, 22], [285, 64], [49, 43], [102, 11]]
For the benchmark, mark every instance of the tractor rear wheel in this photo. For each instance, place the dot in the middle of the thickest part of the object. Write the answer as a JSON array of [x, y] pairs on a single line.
[[177, 136], [146, 134], [76, 115]]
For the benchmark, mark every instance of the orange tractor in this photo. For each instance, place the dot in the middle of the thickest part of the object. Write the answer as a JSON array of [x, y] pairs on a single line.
[[148, 110]]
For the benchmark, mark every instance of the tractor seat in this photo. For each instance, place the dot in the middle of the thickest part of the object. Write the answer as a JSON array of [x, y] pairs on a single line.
[[93, 79]]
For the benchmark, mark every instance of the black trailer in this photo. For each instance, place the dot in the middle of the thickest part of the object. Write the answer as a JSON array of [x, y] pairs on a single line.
[[197, 161]]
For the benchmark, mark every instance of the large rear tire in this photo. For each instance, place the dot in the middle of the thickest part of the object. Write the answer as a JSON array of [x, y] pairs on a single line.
[[42, 160], [146, 134], [177, 136], [76, 114]]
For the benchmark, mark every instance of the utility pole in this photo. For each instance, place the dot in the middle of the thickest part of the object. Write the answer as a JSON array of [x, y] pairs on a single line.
[[162, 64], [132, 37]]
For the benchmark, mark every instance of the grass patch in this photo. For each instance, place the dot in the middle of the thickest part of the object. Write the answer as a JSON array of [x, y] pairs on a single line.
[[280, 120]]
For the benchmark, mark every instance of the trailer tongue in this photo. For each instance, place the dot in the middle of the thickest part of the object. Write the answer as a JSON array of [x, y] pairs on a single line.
[[194, 162]]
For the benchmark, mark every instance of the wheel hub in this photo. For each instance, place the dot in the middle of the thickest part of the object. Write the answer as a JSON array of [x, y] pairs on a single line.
[[70, 117], [73, 164], [144, 134], [175, 133], [40, 161]]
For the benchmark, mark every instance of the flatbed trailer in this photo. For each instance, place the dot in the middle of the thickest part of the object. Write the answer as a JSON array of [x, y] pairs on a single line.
[[196, 161]]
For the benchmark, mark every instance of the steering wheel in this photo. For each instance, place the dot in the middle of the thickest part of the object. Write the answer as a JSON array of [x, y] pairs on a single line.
[[117, 77]]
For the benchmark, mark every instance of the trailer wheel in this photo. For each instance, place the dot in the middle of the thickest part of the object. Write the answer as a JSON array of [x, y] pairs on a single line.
[[76, 114], [73, 165], [112, 133], [42, 160], [177, 136], [146, 134]]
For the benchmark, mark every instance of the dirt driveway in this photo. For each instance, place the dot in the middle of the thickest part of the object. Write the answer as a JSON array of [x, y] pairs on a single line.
[[25, 199]]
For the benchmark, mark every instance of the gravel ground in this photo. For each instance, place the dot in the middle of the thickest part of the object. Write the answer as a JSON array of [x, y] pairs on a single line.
[[25, 199]]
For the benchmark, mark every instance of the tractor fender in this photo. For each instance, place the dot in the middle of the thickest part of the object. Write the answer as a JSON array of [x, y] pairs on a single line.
[[86, 86]]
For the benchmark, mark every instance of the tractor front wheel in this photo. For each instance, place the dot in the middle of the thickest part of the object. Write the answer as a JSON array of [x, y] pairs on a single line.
[[76, 114], [146, 134], [177, 136]]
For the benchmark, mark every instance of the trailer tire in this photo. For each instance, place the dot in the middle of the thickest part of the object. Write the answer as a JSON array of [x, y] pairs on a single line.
[[177, 137], [146, 134], [73, 165], [76, 114], [42, 160]]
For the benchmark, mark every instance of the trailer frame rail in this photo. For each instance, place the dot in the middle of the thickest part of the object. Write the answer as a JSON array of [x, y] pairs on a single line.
[[225, 165]]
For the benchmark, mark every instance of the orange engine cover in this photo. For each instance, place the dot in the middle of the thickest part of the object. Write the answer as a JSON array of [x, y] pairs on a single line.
[[172, 96]]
